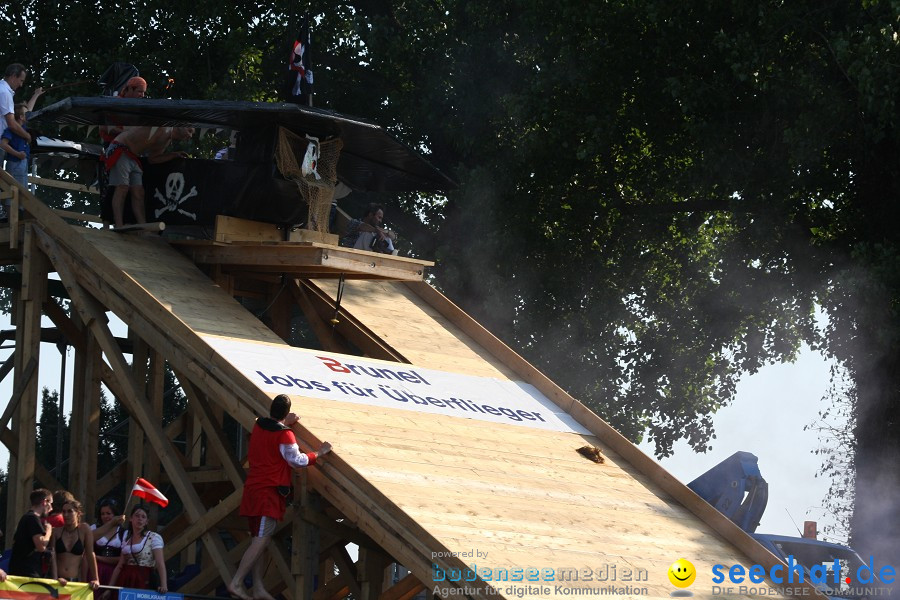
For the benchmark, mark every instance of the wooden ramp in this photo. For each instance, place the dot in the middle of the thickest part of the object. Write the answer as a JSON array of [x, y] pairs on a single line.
[[437, 493]]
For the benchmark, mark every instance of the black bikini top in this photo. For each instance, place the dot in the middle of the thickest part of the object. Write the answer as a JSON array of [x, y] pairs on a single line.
[[77, 547]]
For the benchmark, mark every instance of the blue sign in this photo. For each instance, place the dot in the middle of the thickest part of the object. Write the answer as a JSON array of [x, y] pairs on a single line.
[[129, 594]]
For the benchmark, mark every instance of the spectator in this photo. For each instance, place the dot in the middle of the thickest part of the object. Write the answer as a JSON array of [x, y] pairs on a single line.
[[17, 149], [60, 497], [13, 78], [108, 535], [32, 537], [367, 233], [70, 546], [273, 453], [142, 552]]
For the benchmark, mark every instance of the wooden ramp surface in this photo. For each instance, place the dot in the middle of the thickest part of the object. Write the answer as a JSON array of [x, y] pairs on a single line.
[[504, 497]]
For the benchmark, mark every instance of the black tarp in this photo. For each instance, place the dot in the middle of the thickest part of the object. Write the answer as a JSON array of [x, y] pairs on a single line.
[[371, 159]]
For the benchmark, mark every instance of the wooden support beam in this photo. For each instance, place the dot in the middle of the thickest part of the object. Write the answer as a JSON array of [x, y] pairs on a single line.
[[215, 437], [13, 280], [207, 578], [306, 540], [28, 326], [134, 400], [6, 368], [279, 310], [18, 390], [323, 330], [66, 185], [405, 589], [155, 381], [339, 530], [335, 589], [350, 328], [210, 518], [85, 424], [138, 379], [11, 441], [346, 567], [13, 212], [370, 572]]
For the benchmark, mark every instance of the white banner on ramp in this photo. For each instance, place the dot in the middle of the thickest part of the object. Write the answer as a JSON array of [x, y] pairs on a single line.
[[342, 378]]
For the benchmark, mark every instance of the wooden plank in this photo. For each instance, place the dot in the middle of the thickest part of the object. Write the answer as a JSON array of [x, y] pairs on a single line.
[[77, 216], [308, 235], [64, 185], [232, 229], [289, 257], [13, 213], [141, 227]]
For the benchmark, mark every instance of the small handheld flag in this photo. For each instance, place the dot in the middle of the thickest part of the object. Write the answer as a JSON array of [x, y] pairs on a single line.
[[146, 490]]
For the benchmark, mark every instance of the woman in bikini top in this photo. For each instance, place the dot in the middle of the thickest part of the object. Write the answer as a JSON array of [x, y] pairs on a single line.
[[70, 544]]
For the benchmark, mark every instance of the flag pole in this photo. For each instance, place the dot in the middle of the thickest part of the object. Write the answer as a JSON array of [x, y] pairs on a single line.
[[128, 502], [309, 97]]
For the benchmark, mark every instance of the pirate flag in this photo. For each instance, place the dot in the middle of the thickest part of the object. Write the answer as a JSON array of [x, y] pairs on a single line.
[[298, 84], [116, 76]]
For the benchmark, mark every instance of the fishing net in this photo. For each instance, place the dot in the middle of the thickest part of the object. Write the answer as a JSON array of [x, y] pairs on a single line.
[[312, 165]]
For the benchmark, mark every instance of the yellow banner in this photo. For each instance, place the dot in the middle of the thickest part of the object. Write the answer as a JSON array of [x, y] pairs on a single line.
[[25, 588]]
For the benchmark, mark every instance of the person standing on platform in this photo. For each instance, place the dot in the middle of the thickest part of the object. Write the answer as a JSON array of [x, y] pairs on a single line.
[[273, 454]]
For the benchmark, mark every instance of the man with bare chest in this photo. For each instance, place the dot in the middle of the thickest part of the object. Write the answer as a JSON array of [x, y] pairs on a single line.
[[124, 164]]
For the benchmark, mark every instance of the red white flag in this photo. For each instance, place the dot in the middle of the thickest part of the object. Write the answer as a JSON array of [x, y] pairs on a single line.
[[146, 490]]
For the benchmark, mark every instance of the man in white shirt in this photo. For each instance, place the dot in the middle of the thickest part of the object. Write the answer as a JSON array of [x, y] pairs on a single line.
[[13, 78]]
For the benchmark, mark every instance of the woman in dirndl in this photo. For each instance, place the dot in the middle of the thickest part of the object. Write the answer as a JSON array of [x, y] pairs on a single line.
[[142, 553], [108, 538]]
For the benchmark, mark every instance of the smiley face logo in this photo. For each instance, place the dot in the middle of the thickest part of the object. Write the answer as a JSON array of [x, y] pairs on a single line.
[[682, 573]]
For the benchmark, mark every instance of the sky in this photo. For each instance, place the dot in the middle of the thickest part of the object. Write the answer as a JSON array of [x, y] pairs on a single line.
[[767, 419]]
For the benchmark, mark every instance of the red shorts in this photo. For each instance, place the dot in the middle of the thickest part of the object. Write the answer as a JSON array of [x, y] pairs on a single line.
[[262, 501]]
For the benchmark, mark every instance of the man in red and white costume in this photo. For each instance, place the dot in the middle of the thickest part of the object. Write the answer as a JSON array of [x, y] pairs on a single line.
[[273, 455]]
